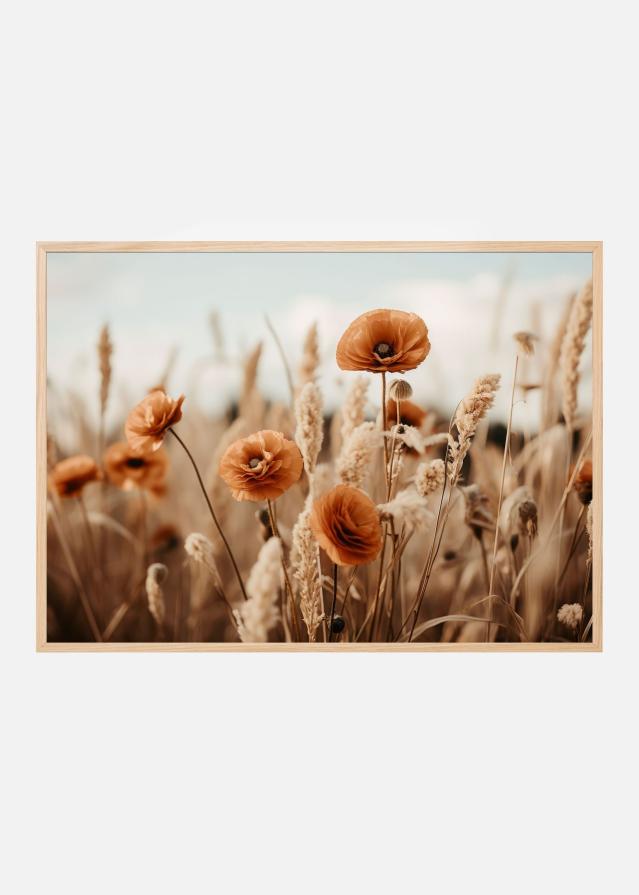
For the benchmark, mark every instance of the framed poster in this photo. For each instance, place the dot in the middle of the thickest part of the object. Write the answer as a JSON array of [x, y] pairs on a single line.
[[319, 446]]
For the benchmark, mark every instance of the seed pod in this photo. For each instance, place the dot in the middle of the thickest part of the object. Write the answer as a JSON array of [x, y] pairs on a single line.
[[400, 390]]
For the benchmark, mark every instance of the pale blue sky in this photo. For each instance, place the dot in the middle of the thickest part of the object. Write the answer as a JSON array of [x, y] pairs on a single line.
[[154, 301]]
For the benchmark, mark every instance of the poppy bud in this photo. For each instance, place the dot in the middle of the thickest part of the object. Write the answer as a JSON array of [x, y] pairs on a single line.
[[400, 390]]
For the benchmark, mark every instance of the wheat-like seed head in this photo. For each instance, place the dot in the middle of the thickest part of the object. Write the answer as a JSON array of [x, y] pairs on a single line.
[[200, 549], [310, 425], [105, 350], [408, 510], [323, 479], [310, 357], [570, 614], [250, 403], [525, 342], [477, 515], [549, 391], [408, 436], [305, 571], [353, 411], [518, 515], [355, 456], [259, 613], [156, 574], [430, 477], [471, 410], [435, 440], [572, 349]]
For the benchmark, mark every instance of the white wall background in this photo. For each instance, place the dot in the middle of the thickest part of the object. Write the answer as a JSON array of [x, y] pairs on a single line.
[[253, 773]]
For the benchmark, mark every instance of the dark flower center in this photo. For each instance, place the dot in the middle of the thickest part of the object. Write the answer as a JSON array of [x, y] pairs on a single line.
[[254, 462], [134, 462], [383, 349]]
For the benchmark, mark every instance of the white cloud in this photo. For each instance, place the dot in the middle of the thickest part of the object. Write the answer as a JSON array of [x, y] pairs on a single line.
[[470, 330]]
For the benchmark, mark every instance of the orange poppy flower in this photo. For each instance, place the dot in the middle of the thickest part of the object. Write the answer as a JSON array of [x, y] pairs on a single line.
[[346, 524], [129, 469], [262, 466], [68, 477], [583, 482], [383, 341], [148, 422], [409, 414]]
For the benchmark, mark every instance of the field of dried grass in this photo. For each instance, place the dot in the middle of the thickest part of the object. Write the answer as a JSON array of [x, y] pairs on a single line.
[[379, 522]]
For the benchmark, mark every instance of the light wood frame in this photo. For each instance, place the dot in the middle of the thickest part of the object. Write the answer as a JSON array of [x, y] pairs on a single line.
[[43, 248]]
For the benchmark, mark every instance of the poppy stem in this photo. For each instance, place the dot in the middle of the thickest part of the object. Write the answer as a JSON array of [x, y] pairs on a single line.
[[347, 592], [287, 580], [144, 536], [330, 624], [384, 424], [212, 512], [380, 579]]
